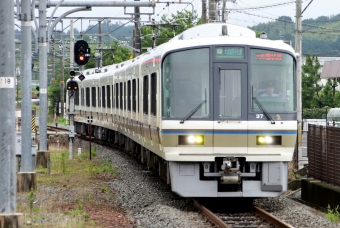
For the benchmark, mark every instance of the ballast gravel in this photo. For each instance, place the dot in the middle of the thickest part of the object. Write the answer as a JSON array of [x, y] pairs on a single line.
[[151, 204]]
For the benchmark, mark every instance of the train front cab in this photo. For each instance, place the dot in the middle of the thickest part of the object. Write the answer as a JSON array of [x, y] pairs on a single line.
[[222, 136]]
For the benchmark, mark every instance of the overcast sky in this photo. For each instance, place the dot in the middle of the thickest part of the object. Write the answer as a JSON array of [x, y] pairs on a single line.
[[315, 9]]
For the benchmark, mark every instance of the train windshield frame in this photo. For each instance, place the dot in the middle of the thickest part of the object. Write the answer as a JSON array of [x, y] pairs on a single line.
[[185, 84], [272, 81]]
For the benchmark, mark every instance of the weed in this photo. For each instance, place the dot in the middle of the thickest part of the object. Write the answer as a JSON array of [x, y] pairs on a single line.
[[332, 215], [104, 188], [63, 162], [30, 199]]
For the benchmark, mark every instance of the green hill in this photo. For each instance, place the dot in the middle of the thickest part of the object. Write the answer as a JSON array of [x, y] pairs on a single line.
[[321, 36]]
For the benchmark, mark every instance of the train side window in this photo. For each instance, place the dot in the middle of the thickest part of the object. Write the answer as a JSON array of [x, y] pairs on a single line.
[[117, 103], [121, 95], [138, 98], [134, 95], [103, 97], [108, 97], [99, 97], [82, 97], [153, 93], [113, 96], [124, 96], [129, 96], [94, 97], [145, 94], [87, 95]]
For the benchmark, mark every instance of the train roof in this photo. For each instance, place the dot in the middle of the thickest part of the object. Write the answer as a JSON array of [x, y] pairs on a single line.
[[198, 36]]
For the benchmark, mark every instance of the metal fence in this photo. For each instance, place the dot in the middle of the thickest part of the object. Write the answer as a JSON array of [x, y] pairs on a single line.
[[323, 148]]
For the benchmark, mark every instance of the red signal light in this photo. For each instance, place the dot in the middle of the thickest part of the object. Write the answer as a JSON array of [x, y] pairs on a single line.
[[81, 58]]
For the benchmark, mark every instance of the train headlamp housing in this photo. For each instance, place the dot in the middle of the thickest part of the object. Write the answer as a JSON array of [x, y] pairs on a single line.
[[191, 140], [268, 140]]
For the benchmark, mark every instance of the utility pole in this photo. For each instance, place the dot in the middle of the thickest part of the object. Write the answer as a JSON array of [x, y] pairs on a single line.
[[62, 83], [26, 87], [43, 76], [136, 38], [298, 49], [204, 11], [212, 11], [100, 59], [8, 215], [71, 91]]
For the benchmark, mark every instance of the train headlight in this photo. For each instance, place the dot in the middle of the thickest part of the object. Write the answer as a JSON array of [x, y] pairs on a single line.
[[191, 140], [268, 140]]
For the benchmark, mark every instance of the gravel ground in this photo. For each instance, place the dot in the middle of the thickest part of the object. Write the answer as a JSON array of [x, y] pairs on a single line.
[[149, 203], [152, 204], [148, 199]]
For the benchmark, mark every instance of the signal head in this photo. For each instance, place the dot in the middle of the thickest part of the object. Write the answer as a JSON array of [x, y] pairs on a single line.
[[82, 52]]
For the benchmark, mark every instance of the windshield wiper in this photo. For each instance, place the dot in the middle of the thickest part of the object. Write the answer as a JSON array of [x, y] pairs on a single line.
[[192, 112], [264, 111]]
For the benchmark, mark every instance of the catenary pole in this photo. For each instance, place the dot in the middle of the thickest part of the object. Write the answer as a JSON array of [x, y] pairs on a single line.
[[26, 91], [71, 97], [7, 110], [43, 76], [298, 50]]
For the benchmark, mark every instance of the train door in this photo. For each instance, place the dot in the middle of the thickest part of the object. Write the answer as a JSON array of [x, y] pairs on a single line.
[[230, 108]]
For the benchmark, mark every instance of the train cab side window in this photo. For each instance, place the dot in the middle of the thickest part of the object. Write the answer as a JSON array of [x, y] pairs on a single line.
[[145, 95], [108, 96], [76, 97], [153, 93], [94, 97], [87, 96], [103, 97], [129, 96], [134, 95]]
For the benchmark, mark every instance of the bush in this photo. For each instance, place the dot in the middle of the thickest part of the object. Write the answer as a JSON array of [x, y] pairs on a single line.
[[314, 113]]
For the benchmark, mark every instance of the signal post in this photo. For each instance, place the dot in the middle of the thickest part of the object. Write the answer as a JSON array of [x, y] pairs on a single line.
[[81, 57]]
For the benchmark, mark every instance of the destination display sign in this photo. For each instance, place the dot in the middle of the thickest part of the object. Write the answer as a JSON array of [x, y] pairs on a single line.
[[229, 53], [269, 56]]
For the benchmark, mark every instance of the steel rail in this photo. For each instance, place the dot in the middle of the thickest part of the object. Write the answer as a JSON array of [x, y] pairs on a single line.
[[216, 220], [271, 218]]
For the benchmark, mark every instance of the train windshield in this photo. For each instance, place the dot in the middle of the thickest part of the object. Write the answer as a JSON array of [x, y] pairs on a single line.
[[272, 81], [185, 84]]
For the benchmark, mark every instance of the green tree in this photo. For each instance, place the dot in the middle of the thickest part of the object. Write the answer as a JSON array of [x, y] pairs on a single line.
[[311, 90], [326, 97], [166, 30]]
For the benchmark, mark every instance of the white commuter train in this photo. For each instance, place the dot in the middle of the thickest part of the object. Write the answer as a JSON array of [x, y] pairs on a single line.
[[196, 110]]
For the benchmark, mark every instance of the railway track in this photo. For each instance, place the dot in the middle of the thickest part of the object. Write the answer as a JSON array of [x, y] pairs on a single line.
[[255, 218]]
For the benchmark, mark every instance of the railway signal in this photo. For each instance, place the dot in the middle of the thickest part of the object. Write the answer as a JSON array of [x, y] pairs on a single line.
[[82, 52], [72, 85]]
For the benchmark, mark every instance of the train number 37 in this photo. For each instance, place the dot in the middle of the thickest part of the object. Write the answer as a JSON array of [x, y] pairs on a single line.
[[259, 116]]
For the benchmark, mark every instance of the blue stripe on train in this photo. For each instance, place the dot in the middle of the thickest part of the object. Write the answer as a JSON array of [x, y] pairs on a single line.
[[230, 133]]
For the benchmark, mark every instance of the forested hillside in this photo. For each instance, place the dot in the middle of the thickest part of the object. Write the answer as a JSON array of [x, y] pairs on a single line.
[[321, 36]]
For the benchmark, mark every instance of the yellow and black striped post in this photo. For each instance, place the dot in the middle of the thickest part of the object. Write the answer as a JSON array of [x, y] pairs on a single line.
[[33, 126]]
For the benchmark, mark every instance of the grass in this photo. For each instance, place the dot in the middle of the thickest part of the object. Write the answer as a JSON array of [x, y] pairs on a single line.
[[332, 214], [81, 179]]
